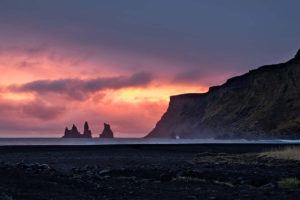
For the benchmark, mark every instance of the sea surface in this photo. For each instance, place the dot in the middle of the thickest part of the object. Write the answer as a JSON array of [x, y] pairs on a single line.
[[128, 141]]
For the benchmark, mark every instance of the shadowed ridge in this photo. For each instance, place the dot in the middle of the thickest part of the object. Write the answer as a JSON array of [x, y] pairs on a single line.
[[263, 103], [297, 56]]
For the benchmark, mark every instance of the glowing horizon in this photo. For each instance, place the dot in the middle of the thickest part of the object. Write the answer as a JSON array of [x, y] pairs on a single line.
[[28, 93], [101, 61]]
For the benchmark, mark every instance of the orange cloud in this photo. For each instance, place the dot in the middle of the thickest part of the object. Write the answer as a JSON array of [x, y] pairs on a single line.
[[42, 91]]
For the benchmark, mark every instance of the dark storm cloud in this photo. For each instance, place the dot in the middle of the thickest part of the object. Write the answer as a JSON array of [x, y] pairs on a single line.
[[29, 52], [231, 35], [34, 50], [80, 89], [34, 109], [189, 76], [26, 124], [201, 77], [42, 111]]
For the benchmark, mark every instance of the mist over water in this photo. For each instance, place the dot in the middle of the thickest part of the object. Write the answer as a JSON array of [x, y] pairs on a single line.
[[126, 141]]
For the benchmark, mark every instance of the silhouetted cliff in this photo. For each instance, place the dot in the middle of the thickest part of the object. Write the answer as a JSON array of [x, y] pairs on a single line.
[[263, 103]]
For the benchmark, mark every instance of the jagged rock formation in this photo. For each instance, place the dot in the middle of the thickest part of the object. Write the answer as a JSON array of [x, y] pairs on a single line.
[[87, 133], [263, 103], [107, 132], [74, 133]]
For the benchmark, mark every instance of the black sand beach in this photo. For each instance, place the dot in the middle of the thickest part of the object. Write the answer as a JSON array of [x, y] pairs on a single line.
[[206, 171]]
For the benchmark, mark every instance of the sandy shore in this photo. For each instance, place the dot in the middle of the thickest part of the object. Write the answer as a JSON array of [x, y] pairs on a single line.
[[210, 171]]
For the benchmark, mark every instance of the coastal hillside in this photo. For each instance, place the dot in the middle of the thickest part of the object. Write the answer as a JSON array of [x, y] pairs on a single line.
[[263, 103]]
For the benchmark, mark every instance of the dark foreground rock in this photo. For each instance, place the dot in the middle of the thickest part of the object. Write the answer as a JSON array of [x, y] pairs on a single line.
[[143, 173]]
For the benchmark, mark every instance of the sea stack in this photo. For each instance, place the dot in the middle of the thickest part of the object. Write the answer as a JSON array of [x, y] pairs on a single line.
[[107, 132], [74, 133], [87, 133]]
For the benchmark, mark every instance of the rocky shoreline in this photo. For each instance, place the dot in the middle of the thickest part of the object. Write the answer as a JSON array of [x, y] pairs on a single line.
[[137, 172]]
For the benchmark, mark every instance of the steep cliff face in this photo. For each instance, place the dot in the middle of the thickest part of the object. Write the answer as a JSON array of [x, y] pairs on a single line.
[[263, 103]]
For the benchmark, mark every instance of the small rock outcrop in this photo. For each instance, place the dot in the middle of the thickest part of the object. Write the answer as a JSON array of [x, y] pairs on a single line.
[[74, 133], [107, 132]]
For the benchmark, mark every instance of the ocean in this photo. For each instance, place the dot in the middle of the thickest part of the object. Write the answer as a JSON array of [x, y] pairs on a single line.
[[130, 141]]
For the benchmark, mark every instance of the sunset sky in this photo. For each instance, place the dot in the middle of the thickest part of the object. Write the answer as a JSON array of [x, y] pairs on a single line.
[[70, 61]]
